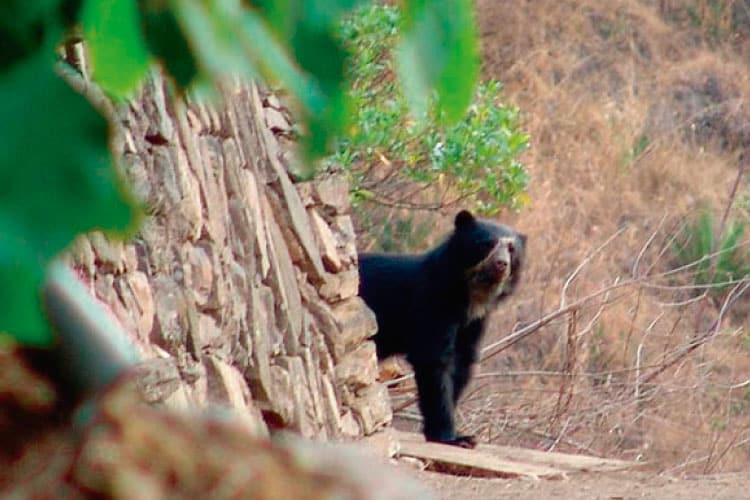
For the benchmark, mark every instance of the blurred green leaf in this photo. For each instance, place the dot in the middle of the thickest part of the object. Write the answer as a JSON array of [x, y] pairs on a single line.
[[307, 29], [439, 51], [212, 28], [165, 39], [22, 26], [56, 180], [118, 54]]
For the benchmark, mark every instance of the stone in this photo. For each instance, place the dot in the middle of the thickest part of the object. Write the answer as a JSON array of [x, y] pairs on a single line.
[[299, 405], [359, 368], [109, 254], [326, 242], [325, 322], [161, 124], [343, 229], [284, 284], [257, 215], [355, 321], [135, 292], [315, 412], [372, 408], [276, 121], [296, 215], [157, 379], [258, 372], [170, 329], [199, 276], [226, 385], [340, 286], [333, 194], [82, 256], [179, 399], [208, 332], [179, 193], [330, 407], [306, 191], [212, 187], [350, 426]]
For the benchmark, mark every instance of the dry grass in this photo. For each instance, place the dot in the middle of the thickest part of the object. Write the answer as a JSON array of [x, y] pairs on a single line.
[[636, 122]]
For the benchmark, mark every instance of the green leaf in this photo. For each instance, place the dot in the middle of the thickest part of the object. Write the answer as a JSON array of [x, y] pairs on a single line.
[[323, 57], [119, 58], [212, 28], [165, 39], [308, 29], [22, 26], [21, 314], [285, 16], [439, 50], [56, 180]]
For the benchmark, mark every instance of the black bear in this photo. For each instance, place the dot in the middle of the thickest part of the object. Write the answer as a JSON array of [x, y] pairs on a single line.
[[432, 308]]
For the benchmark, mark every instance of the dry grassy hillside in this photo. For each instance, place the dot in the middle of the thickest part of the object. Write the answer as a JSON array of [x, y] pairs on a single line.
[[639, 115]]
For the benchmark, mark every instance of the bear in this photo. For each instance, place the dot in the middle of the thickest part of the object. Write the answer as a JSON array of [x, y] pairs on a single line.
[[432, 307]]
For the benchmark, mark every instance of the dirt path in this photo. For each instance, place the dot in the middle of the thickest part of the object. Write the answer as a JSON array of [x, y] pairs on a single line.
[[612, 486]]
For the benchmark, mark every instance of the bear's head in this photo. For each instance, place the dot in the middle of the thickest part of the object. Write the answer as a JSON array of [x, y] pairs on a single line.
[[492, 256]]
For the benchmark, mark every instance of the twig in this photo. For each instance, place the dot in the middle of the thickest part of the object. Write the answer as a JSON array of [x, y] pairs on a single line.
[[583, 264]]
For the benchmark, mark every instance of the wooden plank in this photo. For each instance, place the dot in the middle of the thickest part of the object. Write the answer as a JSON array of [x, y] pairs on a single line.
[[476, 462], [503, 461], [566, 461]]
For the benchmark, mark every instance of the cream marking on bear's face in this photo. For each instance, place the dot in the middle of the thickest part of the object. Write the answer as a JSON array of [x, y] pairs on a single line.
[[482, 296]]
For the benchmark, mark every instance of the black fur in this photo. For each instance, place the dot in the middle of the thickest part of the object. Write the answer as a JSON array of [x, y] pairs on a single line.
[[432, 308]]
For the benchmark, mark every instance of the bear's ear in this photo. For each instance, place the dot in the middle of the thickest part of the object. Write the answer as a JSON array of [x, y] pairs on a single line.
[[464, 219]]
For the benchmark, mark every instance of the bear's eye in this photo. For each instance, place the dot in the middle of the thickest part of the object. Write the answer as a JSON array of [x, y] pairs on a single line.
[[486, 246], [511, 248]]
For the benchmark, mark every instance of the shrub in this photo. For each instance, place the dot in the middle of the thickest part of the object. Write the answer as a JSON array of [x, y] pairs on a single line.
[[717, 263], [394, 160]]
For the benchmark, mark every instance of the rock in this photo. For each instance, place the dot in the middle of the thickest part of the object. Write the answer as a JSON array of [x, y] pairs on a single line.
[[178, 195], [296, 216], [326, 242], [258, 373], [358, 368], [355, 321], [83, 256], [371, 408], [333, 194], [135, 292], [349, 425], [199, 276], [330, 407], [226, 385], [307, 194], [340, 286], [157, 379], [346, 239], [208, 332], [109, 254], [304, 420], [170, 329], [276, 121]]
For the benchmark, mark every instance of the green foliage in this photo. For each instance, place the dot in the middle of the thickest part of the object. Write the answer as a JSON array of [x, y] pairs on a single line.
[[56, 180], [56, 173], [440, 52], [476, 157], [716, 262], [116, 47]]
